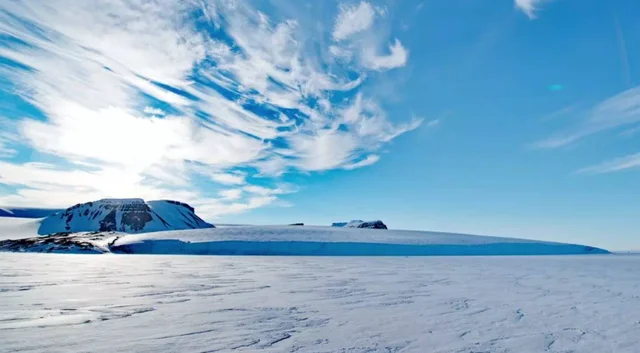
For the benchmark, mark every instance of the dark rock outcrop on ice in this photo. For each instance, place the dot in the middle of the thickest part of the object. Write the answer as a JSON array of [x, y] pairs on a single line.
[[361, 224]]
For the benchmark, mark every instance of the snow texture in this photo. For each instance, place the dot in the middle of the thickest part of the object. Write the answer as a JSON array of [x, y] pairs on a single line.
[[78, 303], [123, 215]]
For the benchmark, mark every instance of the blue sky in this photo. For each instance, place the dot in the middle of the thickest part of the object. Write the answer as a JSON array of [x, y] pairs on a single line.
[[489, 117]]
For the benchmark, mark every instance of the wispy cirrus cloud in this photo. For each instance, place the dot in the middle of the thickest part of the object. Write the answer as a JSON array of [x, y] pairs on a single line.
[[368, 160], [529, 7], [356, 41], [615, 165], [352, 19], [232, 178], [163, 91], [619, 111]]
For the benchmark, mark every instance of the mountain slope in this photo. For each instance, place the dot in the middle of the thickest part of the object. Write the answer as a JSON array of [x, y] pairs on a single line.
[[123, 215]]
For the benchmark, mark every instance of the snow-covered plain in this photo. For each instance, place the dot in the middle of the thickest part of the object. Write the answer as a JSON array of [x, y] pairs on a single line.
[[112, 303]]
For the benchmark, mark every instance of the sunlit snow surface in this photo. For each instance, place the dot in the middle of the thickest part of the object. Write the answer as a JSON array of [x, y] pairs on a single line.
[[137, 303]]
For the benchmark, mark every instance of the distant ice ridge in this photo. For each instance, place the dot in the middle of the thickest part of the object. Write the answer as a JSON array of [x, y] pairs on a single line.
[[334, 241], [123, 215], [22, 212]]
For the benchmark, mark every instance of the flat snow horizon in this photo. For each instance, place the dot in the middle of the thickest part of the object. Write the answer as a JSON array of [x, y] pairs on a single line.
[[558, 304]]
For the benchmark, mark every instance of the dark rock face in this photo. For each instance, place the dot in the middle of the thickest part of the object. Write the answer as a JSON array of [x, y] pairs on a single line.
[[108, 223], [135, 213], [136, 220], [181, 204], [361, 224], [56, 243], [373, 225]]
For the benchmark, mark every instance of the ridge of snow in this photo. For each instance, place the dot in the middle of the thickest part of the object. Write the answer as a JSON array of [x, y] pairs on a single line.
[[26, 212]]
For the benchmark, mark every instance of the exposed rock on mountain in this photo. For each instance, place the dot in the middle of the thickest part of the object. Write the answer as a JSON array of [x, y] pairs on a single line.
[[361, 224], [123, 215]]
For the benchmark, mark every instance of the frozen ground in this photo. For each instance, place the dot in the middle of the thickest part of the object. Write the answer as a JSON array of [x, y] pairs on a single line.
[[134, 303]]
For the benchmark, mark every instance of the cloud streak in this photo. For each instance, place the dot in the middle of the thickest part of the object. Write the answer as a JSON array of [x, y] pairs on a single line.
[[614, 165], [352, 19], [529, 7], [619, 111]]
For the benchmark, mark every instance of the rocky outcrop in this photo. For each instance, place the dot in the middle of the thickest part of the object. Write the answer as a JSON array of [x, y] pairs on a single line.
[[361, 224], [123, 215], [68, 243]]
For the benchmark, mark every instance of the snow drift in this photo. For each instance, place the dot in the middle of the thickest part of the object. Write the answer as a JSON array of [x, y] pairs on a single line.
[[16, 228], [123, 215]]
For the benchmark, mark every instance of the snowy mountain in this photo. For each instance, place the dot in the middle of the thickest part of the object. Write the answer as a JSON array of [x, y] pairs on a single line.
[[123, 215]]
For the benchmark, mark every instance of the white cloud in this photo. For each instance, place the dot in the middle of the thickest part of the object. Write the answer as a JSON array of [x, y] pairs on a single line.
[[433, 123], [5, 150], [244, 102], [231, 194], [352, 19], [154, 111], [529, 7], [326, 149], [265, 191], [615, 165], [368, 160], [214, 208], [274, 166], [235, 178], [397, 57], [48, 185], [619, 111]]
